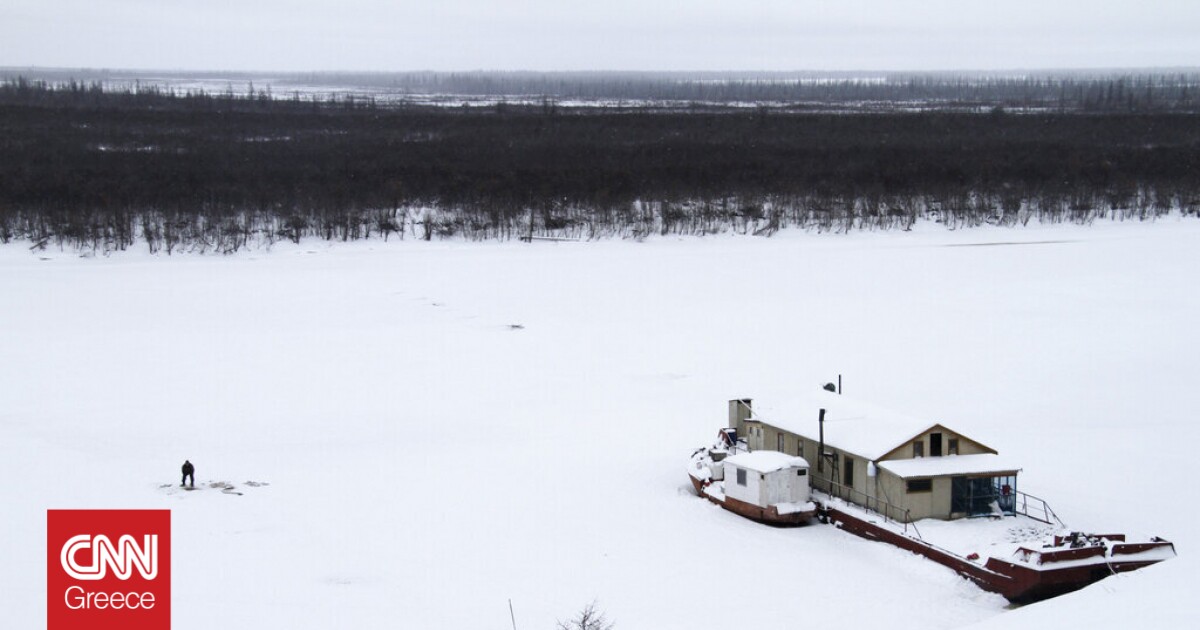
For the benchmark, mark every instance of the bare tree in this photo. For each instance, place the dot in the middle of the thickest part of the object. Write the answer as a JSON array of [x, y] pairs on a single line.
[[590, 618]]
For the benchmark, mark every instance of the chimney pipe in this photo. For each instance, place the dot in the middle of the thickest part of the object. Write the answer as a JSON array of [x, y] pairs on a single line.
[[839, 384], [821, 443]]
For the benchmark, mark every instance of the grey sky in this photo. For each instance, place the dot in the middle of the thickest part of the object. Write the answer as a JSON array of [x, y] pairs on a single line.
[[600, 35]]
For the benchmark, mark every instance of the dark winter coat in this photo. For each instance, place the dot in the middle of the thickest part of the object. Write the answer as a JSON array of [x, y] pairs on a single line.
[[188, 468]]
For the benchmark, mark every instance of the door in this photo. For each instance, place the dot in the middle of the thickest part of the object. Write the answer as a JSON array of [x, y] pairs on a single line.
[[974, 496], [960, 495], [935, 444]]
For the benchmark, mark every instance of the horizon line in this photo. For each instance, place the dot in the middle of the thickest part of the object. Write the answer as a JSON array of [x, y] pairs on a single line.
[[260, 72]]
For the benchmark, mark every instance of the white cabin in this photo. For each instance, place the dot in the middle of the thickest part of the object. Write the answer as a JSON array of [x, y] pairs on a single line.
[[765, 478]]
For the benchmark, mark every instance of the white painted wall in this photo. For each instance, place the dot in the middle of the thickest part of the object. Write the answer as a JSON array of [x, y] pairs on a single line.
[[781, 486], [786, 486], [750, 493]]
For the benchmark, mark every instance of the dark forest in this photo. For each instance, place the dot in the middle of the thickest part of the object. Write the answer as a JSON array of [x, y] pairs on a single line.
[[88, 167]]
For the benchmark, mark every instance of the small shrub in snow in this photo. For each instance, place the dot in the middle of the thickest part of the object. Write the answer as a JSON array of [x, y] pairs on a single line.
[[590, 618]]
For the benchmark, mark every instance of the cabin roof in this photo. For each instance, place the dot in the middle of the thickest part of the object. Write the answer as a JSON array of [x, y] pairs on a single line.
[[982, 463], [766, 461], [851, 425]]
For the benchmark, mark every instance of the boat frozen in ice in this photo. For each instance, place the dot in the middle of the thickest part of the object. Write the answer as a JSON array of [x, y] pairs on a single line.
[[1018, 556], [766, 486], [912, 483]]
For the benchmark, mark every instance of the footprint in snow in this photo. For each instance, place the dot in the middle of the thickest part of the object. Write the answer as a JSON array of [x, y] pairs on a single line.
[[224, 486]]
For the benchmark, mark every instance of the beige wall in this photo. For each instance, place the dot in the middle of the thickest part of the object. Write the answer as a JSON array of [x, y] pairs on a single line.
[[966, 446], [932, 504], [884, 486], [754, 435], [799, 445], [739, 410], [771, 437]]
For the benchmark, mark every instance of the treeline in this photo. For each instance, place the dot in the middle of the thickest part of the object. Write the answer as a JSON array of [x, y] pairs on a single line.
[[1092, 91], [85, 167], [21, 91]]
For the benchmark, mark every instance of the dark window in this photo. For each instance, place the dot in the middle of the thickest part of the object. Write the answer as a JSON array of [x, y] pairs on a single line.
[[920, 485], [779, 442], [918, 449], [977, 496], [952, 446], [741, 476], [935, 444], [800, 447], [801, 472], [848, 471]]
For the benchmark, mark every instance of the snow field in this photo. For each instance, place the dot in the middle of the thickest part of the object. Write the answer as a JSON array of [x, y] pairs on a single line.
[[427, 461]]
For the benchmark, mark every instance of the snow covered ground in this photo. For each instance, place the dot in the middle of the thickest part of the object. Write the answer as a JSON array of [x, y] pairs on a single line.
[[437, 428]]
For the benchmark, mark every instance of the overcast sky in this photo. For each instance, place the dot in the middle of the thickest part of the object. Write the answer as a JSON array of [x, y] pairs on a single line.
[[599, 35]]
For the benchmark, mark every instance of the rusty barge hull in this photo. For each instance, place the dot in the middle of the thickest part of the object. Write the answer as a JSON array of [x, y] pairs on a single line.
[[1016, 582], [768, 515]]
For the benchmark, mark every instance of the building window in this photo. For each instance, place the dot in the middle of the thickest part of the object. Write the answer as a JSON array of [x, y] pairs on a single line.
[[983, 495], [919, 485], [918, 449], [801, 472], [848, 471], [799, 447], [779, 442], [741, 476], [952, 446]]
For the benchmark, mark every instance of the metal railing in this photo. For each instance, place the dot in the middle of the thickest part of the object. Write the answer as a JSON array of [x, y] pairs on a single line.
[[1036, 509], [888, 511]]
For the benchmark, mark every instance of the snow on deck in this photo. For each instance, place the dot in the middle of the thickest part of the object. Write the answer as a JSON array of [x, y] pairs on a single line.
[[716, 491], [793, 508], [700, 465], [766, 461], [986, 536], [949, 465]]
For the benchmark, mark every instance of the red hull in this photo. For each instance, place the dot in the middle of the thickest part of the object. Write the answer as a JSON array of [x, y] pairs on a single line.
[[1018, 583], [768, 515]]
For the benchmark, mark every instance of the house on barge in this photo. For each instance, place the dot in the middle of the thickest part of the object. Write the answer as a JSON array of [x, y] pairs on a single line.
[[903, 467]]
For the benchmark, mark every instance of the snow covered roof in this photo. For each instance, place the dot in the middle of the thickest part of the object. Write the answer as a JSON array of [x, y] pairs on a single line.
[[766, 461], [850, 425], [949, 465]]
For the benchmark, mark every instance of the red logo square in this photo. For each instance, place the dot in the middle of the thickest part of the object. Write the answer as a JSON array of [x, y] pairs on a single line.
[[108, 569]]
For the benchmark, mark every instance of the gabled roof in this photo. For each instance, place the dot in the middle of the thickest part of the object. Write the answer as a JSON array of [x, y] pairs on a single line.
[[851, 425], [983, 463], [766, 461]]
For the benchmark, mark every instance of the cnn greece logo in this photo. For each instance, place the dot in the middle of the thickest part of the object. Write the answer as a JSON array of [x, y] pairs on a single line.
[[123, 557], [108, 569]]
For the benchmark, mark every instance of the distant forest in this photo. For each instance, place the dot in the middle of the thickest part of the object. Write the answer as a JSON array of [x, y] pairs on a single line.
[[1090, 91], [87, 165]]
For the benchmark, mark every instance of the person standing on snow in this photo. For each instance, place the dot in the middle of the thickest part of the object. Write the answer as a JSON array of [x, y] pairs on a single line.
[[189, 474]]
